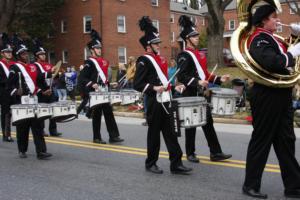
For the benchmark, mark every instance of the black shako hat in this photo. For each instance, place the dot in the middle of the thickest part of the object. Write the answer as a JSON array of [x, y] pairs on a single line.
[[38, 47], [6, 45], [260, 10], [19, 45], [151, 33], [96, 41], [187, 26]]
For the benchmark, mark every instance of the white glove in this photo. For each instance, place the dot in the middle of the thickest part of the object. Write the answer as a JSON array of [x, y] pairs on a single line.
[[295, 28], [295, 50]]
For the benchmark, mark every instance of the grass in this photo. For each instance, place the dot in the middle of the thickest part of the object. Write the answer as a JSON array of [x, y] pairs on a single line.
[[234, 72]]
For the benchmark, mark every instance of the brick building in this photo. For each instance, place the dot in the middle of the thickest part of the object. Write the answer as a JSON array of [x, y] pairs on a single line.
[[117, 23]]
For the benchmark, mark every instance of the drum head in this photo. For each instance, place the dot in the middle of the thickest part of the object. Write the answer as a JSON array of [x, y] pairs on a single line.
[[224, 92]]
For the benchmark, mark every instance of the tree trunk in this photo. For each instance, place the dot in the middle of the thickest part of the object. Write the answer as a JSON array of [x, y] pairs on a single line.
[[6, 14], [215, 31]]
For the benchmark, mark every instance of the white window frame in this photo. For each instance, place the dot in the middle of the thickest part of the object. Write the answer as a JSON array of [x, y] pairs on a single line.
[[86, 53], [155, 23], [279, 29], [125, 54], [172, 18], [84, 23], [229, 25], [173, 36], [203, 21], [64, 60], [294, 6], [62, 26], [156, 1], [124, 21]]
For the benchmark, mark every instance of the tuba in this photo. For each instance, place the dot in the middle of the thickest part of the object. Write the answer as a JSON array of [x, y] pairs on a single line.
[[247, 64]]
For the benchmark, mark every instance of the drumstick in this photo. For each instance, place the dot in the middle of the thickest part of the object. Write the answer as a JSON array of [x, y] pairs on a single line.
[[121, 79], [213, 71], [172, 77]]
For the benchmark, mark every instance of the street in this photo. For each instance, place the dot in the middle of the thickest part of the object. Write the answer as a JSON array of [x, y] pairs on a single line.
[[80, 169]]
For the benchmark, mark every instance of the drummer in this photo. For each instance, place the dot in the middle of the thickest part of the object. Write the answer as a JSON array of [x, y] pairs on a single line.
[[194, 75], [94, 77], [151, 72], [24, 80], [44, 67]]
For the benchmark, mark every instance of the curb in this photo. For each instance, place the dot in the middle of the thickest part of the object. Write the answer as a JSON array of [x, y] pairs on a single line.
[[216, 119]]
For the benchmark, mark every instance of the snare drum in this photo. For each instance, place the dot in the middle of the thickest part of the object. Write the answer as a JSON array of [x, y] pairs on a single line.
[[63, 110], [22, 112], [43, 111], [129, 96], [223, 101], [98, 98], [191, 111], [115, 97]]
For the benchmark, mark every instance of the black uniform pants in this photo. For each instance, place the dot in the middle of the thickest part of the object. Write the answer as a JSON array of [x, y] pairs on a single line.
[[37, 132], [52, 126], [210, 135], [110, 121], [273, 125], [159, 121], [5, 119]]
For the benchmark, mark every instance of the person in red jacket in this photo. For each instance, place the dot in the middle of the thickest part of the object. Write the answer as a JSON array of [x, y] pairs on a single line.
[[5, 63], [195, 79]]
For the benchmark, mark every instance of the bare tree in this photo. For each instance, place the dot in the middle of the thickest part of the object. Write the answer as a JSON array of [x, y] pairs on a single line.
[[294, 6], [7, 11], [215, 30]]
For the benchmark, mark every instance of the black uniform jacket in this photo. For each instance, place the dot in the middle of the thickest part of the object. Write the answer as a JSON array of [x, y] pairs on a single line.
[[87, 77], [3, 81], [266, 52], [188, 74], [13, 85], [146, 77]]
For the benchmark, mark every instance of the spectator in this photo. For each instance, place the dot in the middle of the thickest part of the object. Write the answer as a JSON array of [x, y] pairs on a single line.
[[130, 71], [171, 71], [71, 77], [121, 75], [61, 87]]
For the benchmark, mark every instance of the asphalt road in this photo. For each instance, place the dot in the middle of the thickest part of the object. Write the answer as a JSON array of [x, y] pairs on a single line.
[[82, 170]]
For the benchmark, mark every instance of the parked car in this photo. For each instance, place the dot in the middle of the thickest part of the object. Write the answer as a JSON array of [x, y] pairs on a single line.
[[227, 56]]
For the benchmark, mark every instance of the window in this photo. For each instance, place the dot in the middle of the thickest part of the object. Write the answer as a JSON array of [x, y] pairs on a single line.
[[279, 28], [155, 23], [64, 26], [172, 36], [87, 24], [293, 5], [172, 18], [231, 25], [154, 2], [122, 55], [65, 56], [51, 57], [121, 24], [193, 19], [87, 53]]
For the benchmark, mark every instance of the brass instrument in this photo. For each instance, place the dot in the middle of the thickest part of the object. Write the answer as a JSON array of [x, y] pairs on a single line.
[[243, 59]]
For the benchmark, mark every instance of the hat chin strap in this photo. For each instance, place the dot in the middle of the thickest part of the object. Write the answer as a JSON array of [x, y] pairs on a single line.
[[194, 46], [155, 52]]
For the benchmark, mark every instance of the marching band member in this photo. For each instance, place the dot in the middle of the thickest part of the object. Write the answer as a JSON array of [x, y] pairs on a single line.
[[45, 67], [151, 72], [193, 74], [271, 107], [24, 79], [5, 63], [94, 77]]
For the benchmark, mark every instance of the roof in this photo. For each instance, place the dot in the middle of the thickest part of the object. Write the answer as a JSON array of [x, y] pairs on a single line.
[[181, 8]]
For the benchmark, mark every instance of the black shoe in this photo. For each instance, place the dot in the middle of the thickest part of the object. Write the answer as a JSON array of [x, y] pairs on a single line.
[[7, 139], [219, 156], [181, 169], [45, 134], [43, 155], [193, 158], [55, 134], [22, 155], [145, 123], [99, 141], [253, 193], [115, 140], [154, 169], [292, 193]]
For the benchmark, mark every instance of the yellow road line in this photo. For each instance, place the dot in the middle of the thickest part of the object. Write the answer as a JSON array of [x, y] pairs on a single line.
[[143, 152]]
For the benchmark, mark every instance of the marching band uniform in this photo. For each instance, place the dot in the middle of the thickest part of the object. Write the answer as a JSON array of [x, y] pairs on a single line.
[[95, 71], [146, 78], [271, 110], [5, 64], [32, 83], [44, 67], [188, 61]]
